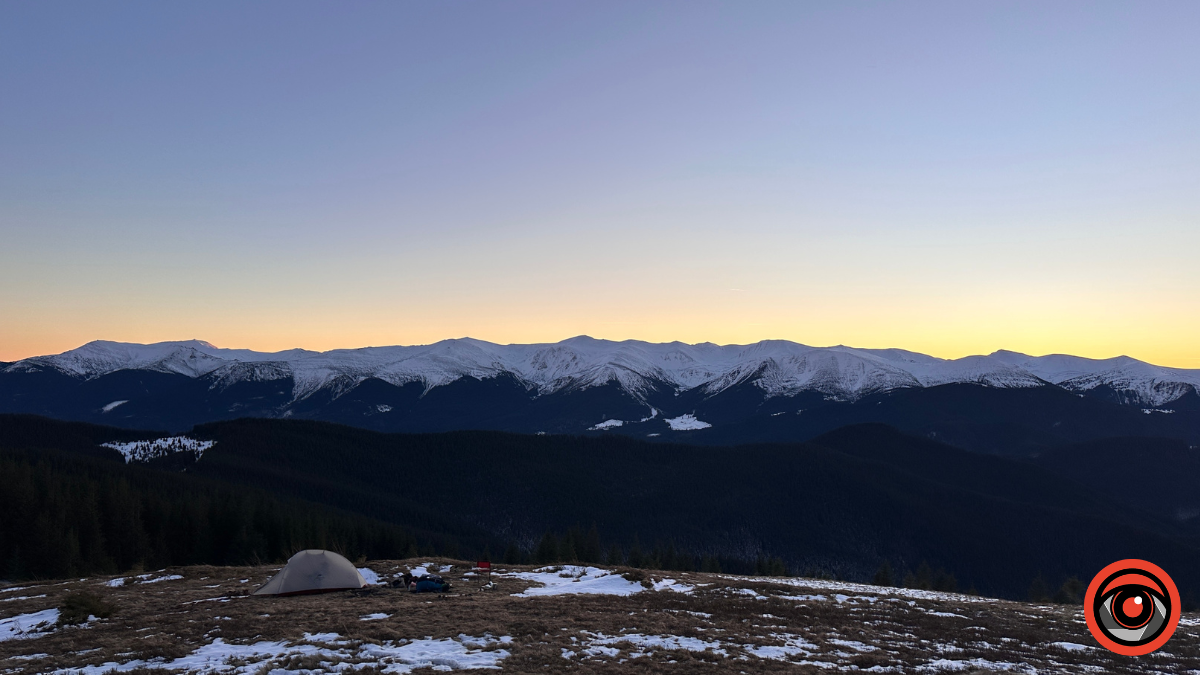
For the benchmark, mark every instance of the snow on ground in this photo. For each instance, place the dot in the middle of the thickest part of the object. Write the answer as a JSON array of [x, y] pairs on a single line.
[[111, 406], [1071, 646], [686, 423], [596, 644], [220, 657], [24, 626], [374, 617], [115, 583], [606, 425], [574, 579], [370, 576], [635, 645], [973, 665], [23, 597], [143, 451], [793, 645], [146, 578], [672, 585], [430, 568], [852, 587]]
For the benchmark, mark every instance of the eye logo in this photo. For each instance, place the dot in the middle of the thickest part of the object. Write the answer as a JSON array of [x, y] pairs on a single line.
[[1132, 607]]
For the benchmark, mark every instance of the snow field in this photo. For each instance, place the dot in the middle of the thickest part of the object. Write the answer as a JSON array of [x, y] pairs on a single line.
[[220, 657], [574, 579], [25, 626], [143, 451]]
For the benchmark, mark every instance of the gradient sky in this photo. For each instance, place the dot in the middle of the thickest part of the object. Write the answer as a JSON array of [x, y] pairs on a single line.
[[950, 178]]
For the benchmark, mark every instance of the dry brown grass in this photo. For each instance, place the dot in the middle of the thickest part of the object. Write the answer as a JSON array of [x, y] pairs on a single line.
[[170, 619]]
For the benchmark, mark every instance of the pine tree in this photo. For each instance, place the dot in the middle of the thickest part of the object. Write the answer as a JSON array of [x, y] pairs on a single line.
[[615, 557], [568, 546], [589, 550], [1039, 590], [924, 576], [547, 550], [710, 564], [944, 581], [636, 557], [884, 576], [669, 558], [512, 555], [1071, 592]]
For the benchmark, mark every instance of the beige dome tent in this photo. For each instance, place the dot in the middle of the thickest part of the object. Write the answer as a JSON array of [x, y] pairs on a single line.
[[313, 571]]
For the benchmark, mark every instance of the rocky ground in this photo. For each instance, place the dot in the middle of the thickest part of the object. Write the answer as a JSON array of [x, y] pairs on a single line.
[[203, 620]]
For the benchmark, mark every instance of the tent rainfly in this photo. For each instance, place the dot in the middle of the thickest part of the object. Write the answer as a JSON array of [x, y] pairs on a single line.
[[313, 571]]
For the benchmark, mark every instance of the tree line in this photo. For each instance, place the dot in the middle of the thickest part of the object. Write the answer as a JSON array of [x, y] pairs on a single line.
[[68, 515]]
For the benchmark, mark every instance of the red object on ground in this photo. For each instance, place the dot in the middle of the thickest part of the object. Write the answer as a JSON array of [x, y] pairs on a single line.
[[483, 565]]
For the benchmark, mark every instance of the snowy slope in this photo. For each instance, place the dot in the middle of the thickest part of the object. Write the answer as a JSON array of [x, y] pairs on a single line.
[[777, 367]]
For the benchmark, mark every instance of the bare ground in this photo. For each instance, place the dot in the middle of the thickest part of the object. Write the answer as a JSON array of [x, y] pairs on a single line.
[[724, 624]]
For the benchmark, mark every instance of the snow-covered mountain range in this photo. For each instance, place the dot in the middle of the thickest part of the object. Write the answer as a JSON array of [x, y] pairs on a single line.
[[776, 367]]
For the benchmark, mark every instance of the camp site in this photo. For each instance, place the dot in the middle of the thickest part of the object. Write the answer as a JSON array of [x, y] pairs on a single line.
[[534, 619]]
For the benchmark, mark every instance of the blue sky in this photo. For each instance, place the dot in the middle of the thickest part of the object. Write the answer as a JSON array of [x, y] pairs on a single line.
[[946, 177]]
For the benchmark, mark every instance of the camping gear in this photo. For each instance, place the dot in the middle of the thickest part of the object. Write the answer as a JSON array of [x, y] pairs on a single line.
[[313, 571], [430, 583]]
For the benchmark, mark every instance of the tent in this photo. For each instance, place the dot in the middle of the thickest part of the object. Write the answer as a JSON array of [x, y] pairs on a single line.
[[313, 571]]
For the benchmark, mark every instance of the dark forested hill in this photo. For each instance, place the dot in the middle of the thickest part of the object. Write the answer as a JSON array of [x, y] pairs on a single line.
[[841, 504]]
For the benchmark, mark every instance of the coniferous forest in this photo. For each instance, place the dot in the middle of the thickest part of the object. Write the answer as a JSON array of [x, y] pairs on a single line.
[[69, 515], [863, 503]]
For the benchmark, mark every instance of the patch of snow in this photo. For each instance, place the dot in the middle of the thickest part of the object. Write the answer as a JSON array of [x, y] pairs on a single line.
[[942, 665], [792, 645], [116, 583], [374, 617], [429, 568], [605, 425], [143, 451], [461, 653], [25, 626], [672, 585], [686, 423], [854, 644], [369, 575], [647, 643], [23, 597], [383, 408], [169, 577], [1072, 646], [573, 579], [114, 404], [851, 587], [10, 589]]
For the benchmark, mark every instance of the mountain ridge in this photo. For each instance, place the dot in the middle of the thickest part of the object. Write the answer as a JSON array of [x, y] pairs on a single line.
[[778, 367], [773, 390]]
